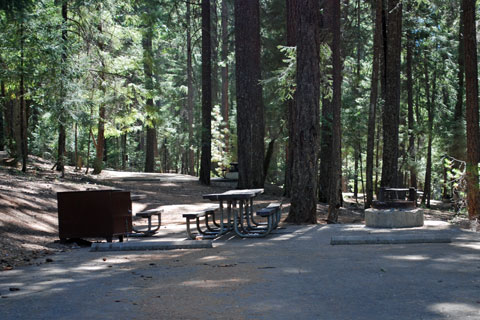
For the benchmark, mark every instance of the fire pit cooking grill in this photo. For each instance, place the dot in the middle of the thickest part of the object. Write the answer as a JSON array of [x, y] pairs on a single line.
[[398, 198]]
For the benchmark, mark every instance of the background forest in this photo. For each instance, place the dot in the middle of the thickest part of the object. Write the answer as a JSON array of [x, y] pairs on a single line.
[[118, 84]]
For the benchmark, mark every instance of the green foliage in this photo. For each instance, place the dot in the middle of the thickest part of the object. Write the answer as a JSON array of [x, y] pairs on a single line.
[[104, 66]]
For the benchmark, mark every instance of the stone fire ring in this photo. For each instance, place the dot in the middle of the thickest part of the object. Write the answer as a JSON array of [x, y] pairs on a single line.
[[394, 218]]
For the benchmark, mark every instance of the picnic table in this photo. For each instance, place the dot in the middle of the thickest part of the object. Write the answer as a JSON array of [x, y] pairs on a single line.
[[236, 214]]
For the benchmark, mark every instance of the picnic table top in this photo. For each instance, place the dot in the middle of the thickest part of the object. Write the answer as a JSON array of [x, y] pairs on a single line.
[[234, 194]]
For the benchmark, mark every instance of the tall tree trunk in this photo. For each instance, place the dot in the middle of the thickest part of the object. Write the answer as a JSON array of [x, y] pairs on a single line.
[[361, 177], [357, 146], [90, 139], [356, 154], [61, 120], [3, 110], [214, 49], [23, 107], [165, 156], [147, 39], [190, 105], [430, 102], [471, 84], [372, 110], [327, 115], [100, 145], [392, 95], [303, 207], [77, 162], [458, 147], [325, 150], [206, 160], [224, 71], [291, 42], [335, 179], [411, 121], [250, 122], [377, 154], [124, 151]]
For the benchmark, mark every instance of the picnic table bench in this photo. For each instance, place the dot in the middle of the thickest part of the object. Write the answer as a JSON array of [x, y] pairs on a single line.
[[210, 231], [147, 214], [272, 212]]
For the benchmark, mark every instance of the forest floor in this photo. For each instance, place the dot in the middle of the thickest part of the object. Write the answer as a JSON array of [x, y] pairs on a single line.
[[28, 205]]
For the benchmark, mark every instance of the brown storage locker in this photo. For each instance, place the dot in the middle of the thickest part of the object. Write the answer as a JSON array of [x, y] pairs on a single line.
[[92, 214]]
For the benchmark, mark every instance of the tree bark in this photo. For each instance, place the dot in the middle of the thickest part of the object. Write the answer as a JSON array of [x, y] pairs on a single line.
[[124, 151], [214, 50], [100, 146], [291, 42], [268, 156], [411, 119], [224, 71], [361, 177], [147, 39], [372, 111], [430, 102], [458, 141], [471, 85], [377, 155], [392, 96], [356, 155], [62, 136], [357, 144], [303, 207], [325, 150], [206, 157], [327, 115], [250, 121], [3, 110], [335, 179], [23, 107], [190, 105]]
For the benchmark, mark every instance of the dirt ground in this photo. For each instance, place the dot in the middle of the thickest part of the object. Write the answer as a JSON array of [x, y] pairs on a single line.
[[28, 205]]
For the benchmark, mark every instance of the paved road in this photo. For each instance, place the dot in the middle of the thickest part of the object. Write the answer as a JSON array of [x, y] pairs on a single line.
[[294, 274]]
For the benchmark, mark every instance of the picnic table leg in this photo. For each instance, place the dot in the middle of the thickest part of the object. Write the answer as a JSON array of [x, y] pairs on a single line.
[[255, 222], [215, 223], [223, 228], [249, 214], [238, 225], [204, 233], [230, 207], [235, 224], [209, 228], [189, 231], [241, 214]]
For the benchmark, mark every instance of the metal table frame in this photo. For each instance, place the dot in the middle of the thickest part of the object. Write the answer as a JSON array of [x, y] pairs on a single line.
[[239, 209]]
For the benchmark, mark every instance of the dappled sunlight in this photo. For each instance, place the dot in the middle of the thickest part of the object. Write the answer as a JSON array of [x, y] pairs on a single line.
[[211, 258], [468, 245], [88, 268], [213, 283], [411, 257], [170, 184], [454, 309]]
